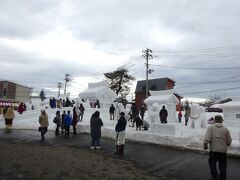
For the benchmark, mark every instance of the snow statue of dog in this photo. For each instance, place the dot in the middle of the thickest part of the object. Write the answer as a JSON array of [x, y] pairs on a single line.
[[197, 116], [153, 113]]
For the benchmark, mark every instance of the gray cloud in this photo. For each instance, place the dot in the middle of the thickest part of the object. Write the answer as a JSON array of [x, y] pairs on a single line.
[[122, 27]]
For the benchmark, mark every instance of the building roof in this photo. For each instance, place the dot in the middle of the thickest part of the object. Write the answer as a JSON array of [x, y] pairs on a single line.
[[15, 83], [159, 83]]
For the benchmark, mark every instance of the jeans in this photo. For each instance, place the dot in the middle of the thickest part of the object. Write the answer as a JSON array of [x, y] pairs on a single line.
[[81, 116], [95, 141], [111, 116], [221, 158]]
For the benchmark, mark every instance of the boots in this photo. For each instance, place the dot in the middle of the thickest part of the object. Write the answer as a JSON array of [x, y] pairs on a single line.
[[117, 149], [122, 149]]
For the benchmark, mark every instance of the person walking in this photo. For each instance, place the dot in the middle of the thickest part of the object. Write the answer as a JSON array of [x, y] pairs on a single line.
[[82, 109], [9, 116], [95, 124], [142, 111], [120, 134], [74, 120], [62, 122], [218, 137], [21, 108], [111, 112], [180, 116], [57, 121], [163, 114], [187, 113], [43, 121], [67, 123]]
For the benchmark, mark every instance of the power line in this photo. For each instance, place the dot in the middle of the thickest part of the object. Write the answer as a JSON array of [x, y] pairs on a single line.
[[230, 47], [215, 90], [196, 68], [209, 82]]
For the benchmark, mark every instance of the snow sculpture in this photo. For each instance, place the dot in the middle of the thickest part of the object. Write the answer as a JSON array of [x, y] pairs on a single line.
[[164, 98], [197, 116], [85, 104], [99, 91], [119, 108], [153, 113], [88, 103], [231, 113], [127, 111]]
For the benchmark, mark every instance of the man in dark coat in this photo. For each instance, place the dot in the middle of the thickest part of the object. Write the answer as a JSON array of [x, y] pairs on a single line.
[[111, 112], [163, 115], [96, 124]]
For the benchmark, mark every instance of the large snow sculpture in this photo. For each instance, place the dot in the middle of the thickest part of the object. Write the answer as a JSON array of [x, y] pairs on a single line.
[[231, 113], [197, 116], [164, 98], [99, 91]]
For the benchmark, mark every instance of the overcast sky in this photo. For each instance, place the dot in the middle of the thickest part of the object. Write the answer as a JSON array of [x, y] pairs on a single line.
[[42, 40]]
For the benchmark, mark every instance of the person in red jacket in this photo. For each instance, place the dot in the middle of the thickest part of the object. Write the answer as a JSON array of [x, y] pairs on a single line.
[[180, 116], [21, 108]]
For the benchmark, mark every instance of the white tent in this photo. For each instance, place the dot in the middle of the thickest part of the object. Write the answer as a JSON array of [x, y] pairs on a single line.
[[166, 98], [231, 113], [99, 91]]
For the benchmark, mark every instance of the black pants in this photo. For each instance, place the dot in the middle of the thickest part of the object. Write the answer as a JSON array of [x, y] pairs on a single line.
[[57, 129], [221, 158], [67, 129], [43, 131], [74, 129]]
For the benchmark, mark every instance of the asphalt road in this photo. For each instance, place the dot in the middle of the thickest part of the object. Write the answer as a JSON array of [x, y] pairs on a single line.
[[154, 159]]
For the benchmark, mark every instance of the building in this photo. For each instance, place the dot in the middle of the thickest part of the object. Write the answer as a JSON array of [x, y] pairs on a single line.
[[11, 92], [154, 85]]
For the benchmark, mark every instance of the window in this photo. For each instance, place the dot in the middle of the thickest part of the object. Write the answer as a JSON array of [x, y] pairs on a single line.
[[4, 92], [237, 115], [144, 88]]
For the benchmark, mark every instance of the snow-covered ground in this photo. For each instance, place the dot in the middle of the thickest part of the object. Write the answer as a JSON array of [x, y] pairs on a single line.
[[185, 137]]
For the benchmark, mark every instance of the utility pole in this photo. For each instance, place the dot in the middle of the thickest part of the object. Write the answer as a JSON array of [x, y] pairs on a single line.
[[59, 86], [147, 54], [67, 79]]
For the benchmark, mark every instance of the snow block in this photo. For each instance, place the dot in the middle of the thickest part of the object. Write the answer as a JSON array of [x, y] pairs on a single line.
[[163, 129]]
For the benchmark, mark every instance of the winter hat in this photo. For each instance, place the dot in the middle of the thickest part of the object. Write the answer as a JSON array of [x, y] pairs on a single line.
[[218, 119], [122, 113]]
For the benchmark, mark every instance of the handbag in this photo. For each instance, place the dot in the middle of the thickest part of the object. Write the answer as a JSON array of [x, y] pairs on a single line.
[[39, 129]]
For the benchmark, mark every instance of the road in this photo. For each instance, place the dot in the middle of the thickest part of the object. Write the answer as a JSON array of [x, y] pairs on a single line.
[[154, 159]]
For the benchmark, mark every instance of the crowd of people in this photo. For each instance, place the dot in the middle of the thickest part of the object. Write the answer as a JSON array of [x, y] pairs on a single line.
[[217, 137]]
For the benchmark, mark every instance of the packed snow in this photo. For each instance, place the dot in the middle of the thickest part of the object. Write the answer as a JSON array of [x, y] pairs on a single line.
[[182, 136]]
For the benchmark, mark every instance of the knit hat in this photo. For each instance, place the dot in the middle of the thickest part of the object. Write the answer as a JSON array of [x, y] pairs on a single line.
[[218, 119], [122, 113]]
